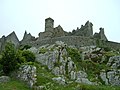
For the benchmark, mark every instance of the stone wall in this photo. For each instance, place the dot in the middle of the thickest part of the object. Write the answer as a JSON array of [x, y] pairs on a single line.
[[13, 38], [10, 38], [77, 41], [70, 40]]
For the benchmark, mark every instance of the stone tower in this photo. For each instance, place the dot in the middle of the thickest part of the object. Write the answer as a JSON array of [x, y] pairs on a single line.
[[49, 25], [89, 29], [102, 34]]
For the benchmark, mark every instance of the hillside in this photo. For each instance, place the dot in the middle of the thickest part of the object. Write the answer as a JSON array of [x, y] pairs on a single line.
[[63, 67]]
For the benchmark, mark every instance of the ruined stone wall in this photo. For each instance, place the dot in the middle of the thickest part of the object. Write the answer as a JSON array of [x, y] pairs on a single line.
[[70, 40], [13, 38], [77, 41], [113, 45]]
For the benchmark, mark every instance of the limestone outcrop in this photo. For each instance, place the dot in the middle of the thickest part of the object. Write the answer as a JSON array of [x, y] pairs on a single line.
[[112, 77], [57, 60], [27, 73]]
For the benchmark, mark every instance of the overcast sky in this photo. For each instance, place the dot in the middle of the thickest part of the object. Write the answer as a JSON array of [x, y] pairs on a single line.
[[29, 15]]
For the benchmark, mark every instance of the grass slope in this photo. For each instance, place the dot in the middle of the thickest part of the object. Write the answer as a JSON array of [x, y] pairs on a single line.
[[14, 85]]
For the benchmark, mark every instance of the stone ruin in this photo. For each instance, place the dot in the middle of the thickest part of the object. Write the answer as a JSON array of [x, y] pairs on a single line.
[[85, 31], [80, 37], [10, 38]]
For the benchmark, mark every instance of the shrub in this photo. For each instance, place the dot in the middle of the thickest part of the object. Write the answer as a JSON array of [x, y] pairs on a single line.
[[42, 50], [28, 55], [25, 47], [10, 60], [74, 54]]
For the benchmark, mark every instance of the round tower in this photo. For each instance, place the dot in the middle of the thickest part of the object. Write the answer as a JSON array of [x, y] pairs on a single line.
[[49, 24]]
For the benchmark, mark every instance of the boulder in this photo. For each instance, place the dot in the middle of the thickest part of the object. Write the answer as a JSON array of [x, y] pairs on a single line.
[[71, 65], [56, 71], [81, 74], [59, 80], [73, 75], [60, 43], [114, 62], [4, 79], [83, 80], [111, 78], [104, 77]]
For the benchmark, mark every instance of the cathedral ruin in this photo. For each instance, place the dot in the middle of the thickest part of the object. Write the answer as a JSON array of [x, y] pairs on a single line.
[[82, 36]]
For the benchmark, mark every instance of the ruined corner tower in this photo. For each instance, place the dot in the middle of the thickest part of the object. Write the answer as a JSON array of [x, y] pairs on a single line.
[[49, 25]]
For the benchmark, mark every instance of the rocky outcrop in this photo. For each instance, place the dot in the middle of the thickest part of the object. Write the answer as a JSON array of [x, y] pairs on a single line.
[[114, 62], [59, 80], [82, 78], [27, 73], [112, 77], [57, 60]]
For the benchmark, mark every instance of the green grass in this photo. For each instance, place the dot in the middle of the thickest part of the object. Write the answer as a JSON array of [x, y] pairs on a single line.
[[14, 84], [44, 78]]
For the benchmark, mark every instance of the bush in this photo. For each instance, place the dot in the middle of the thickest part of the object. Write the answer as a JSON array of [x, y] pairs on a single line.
[[10, 61], [28, 55], [25, 47], [42, 50], [74, 54]]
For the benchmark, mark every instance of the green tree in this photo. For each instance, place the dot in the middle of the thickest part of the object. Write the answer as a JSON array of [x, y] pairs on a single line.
[[10, 60]]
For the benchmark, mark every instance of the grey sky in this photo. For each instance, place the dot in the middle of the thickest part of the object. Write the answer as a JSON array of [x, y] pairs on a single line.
[[21, 15]]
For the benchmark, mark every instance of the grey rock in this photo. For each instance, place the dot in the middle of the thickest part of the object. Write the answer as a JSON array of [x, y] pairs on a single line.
[[62, 70], [71, 65], [4, 79], [114, 62], [33, 50], [42, 58], [111, 78], [39, 88], [104, 77], [83, 80], [59, 80], [56, 71], [73, 75], [81, 74], [60, 43], [27, 73]]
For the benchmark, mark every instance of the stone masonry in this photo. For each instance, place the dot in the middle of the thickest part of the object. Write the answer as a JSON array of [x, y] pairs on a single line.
[[80, 37]]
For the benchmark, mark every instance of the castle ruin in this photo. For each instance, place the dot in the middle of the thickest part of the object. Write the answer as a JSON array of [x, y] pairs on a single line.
[[82, 36]]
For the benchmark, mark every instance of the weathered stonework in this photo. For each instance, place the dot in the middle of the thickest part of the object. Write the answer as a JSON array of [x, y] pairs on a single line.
[[101, 35], [81, 37], [27, 38], [10, 38], [85, 31]]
